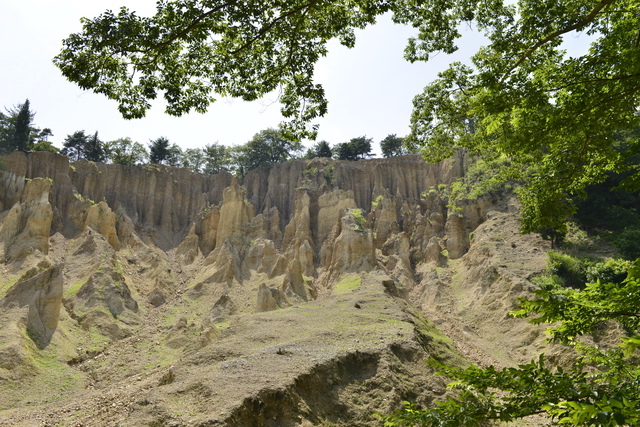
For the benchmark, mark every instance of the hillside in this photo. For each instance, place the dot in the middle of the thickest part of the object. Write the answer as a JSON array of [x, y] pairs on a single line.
[[311, 293]]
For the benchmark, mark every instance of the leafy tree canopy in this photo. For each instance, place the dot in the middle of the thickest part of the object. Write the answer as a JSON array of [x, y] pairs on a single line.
[[192, 159], [393, 145], [93, 149], [160, 151], [125, 151], [192, 50], [319, 149], [266, 148], [555, 114], [177, 157], [81, 146], [217, 158], [355, 149], [74, 145]]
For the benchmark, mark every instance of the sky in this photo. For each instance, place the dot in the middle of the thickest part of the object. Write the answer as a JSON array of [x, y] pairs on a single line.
[[370, 87]]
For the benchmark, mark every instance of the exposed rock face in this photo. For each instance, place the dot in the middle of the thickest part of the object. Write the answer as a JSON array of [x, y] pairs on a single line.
[[143, 267], [385, 213], [331, 206], [101, 218], [270, 299], [296, 205], [41, 290], [295, 222], [26, 226], [207, 230], [353, 249], [106, 288], [235, 215], [222, 309]]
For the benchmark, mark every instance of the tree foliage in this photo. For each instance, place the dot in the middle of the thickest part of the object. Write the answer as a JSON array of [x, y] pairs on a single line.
[[554, 113], [192, 159], [21, 137], [319, 149], [393, 145], [82, 146], [18, 132], [74, 145], [217, 158], [266, 148], [93, 149], [160, 151], [124, 151], [355, 149], [192, 50]]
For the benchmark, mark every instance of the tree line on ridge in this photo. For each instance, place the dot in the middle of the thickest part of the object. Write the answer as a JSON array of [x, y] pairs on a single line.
[[267, 147]]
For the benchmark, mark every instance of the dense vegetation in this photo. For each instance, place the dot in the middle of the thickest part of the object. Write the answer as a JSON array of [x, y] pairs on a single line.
[[18, 133]]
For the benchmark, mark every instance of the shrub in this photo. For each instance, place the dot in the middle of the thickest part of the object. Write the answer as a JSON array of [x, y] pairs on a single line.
[[548, 282], [628, 243], [376, 202], [359, 219], [609, 271], [569, 268]]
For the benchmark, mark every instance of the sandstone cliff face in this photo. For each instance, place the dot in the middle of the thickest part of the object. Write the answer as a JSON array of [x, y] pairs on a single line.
[[300, 223], [26, 226], [40, 289], [115, 253]]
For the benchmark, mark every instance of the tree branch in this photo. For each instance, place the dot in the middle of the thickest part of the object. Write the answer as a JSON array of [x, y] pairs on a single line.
[[194, 23], [620, 96], [589, 18], [610, 79], [270, 25]]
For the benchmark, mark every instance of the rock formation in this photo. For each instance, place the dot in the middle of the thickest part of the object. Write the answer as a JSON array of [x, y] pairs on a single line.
[[40, 289], [26, 226], [296, 284]]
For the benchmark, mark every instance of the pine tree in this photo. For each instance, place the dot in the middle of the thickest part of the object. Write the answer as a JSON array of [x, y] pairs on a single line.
[[74, 145], [94, 149], [16, 129], [159, 150], [22, 128], [321, 149]]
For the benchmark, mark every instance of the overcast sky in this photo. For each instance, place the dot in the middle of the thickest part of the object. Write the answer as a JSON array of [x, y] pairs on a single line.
[[369, 88]]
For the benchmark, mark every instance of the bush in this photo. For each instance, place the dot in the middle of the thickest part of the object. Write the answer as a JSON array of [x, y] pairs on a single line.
[[548, 282], [628, 243], [359, 219], [610, 271], [569, 268]]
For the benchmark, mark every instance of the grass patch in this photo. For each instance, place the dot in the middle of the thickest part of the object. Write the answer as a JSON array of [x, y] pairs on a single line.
[[50, 379], [223, 325], [348, 284], [5, 285], [438, 345], [73, 290], [157, 355], [84, 199], [117, 267]]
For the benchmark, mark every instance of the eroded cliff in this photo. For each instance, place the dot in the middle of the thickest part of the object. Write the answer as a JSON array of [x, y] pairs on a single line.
[[306, 283]]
